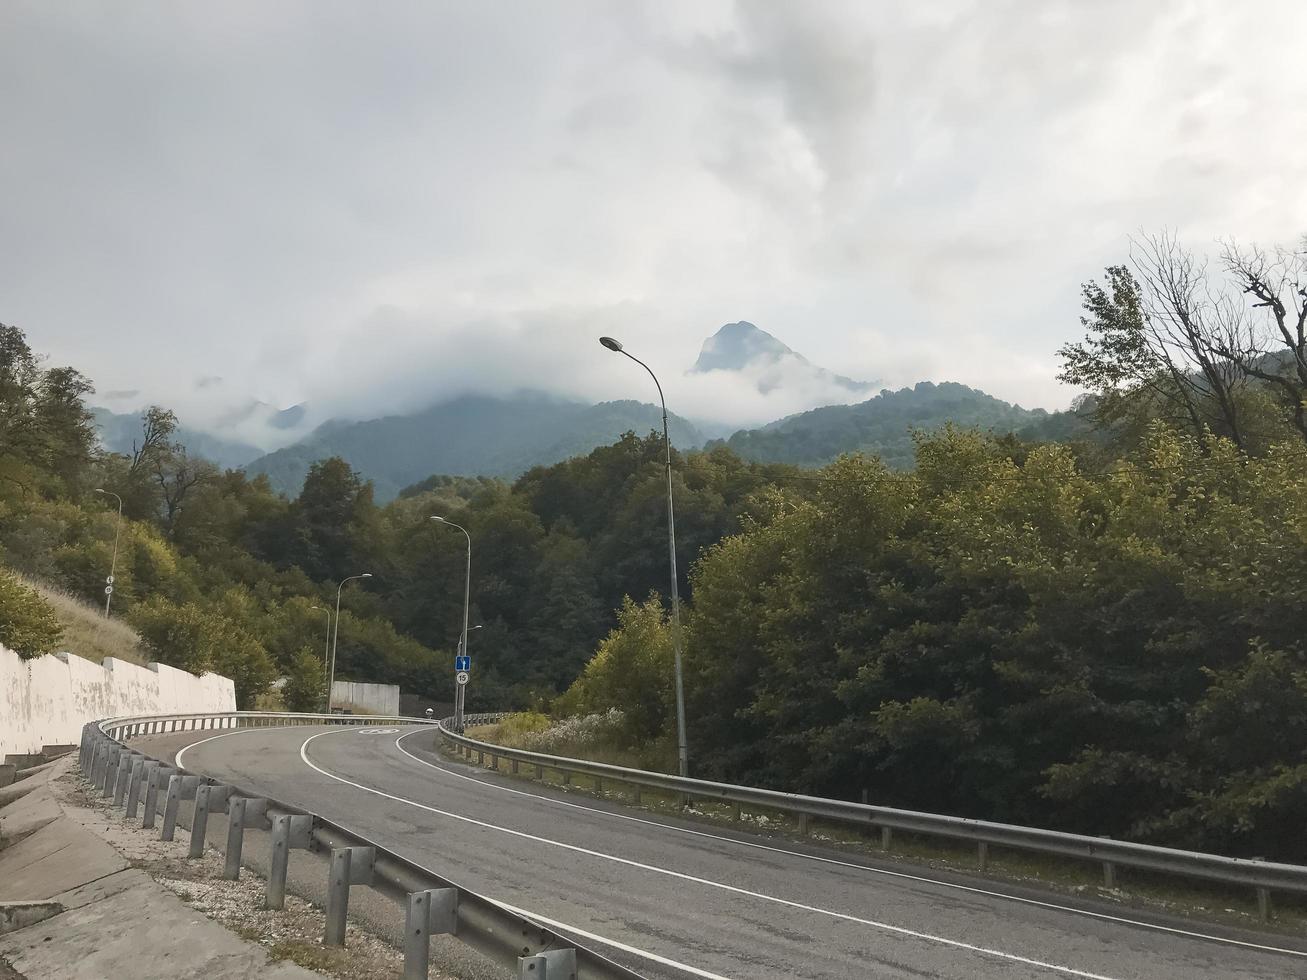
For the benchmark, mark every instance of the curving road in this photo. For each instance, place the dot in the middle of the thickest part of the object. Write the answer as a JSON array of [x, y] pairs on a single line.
[[677, 900]]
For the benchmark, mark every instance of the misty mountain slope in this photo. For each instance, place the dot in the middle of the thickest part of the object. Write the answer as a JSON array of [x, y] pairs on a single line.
[[748, 351], [475, 435], [118, 431], [881, 426]]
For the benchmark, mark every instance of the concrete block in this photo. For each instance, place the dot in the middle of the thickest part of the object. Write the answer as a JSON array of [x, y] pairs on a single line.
[[24, 760], [26, 817], [107, 938], [102, 888], [57, 750], [20, 915], [30, 771], [59, 856], [7, 772]]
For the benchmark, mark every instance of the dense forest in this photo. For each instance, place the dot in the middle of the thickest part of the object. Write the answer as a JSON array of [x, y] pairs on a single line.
[[1102, 634], [217, 571]]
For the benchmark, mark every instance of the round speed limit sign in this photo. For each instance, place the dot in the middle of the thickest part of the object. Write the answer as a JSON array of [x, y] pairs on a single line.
[[461, 677]]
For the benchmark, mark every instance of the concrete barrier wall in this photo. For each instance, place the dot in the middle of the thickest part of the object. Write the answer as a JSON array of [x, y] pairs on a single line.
[[47, 700], [381, 699]]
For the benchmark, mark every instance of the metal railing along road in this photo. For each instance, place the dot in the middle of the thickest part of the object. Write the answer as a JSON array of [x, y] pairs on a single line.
[[1263, 876], [432, 904]]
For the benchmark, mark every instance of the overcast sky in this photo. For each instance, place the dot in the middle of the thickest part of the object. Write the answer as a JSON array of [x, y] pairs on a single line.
[[374, 206]]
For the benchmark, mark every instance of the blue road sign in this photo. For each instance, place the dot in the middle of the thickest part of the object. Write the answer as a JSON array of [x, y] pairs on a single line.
[[463, 663]]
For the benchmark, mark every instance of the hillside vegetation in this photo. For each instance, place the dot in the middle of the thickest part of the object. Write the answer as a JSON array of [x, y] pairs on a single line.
[[86, 631], [882, 426], [1105, 635], [471, 436]]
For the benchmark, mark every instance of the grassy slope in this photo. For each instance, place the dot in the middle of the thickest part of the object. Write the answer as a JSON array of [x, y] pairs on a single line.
[[87, 633]]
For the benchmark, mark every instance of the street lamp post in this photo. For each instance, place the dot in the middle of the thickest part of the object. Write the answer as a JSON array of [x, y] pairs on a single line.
[[682, 751], [335, 636], [326, 645], [459, 696], [113, 562]]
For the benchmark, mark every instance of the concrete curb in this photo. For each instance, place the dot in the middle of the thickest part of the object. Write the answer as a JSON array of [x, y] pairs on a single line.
[[20, 915]]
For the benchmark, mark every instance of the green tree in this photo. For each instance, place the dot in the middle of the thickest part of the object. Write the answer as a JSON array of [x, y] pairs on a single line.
[[306, 686], [631, 670], [28, 624]]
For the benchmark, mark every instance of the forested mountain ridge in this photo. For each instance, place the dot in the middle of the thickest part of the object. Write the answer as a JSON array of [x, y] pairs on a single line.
[[119, 430], [881, 426], [474, 435]]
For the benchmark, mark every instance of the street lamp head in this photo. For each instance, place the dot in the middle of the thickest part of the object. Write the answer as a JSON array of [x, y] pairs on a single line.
[[99, 489], [366, 575], [440, 519], [611, 344]]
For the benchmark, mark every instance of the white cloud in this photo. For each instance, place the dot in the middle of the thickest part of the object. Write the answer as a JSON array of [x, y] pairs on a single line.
[[368, 208]]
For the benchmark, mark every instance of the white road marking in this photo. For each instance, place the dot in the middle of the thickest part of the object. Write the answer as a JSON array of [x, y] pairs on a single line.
[[533, 916], [733, 889], [849, 864], [576, 931], [236, 731]]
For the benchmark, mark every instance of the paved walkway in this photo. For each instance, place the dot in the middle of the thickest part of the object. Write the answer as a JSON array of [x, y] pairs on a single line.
[[105, 917]]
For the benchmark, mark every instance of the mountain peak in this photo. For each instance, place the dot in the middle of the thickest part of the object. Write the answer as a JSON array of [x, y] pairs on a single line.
[[737, 345], [750, 351]]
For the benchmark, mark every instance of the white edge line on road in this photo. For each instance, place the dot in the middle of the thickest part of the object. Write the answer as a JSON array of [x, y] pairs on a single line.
[[177, 759], [533, 916], [1192, 934], [733, 889], [555, 924]]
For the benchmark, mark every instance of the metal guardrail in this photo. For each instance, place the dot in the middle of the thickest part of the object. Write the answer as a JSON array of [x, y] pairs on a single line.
[[1264, 876], [433, 905]]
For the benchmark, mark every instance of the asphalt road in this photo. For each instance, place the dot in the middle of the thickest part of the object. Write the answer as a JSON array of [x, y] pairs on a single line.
[[679, 900]]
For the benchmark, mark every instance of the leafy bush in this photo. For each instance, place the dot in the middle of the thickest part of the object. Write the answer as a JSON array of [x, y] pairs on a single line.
[[28, 624], [578, 732], [306, 687], [632, 670], [198, 639]]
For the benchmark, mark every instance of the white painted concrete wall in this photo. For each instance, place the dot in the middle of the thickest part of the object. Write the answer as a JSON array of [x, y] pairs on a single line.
[[47, 700], [380, 699]]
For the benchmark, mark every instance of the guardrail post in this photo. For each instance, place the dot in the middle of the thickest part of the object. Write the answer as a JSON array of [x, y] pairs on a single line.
[[481, 758], [553, 964], [207, 796], [156, 779], [433, 911], [241, 813], [349, 866], [141, 767], [179, 788], [598, 785], [886, 838], [1109, 869], [97, 760], [289, 830], [1263, 899], [125, 766], [982, 855], [736, 814], [567, 777], [514, 767], [803, 825], [110, 770]]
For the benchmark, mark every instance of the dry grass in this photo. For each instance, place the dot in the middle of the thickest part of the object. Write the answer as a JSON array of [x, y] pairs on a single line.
[[86, 632]]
